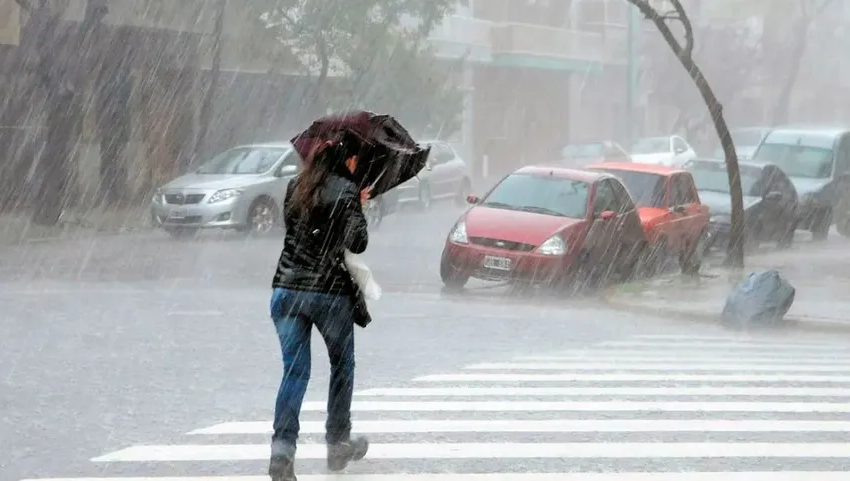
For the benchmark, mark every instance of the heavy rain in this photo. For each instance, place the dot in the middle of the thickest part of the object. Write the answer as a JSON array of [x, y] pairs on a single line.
[[603, 240]]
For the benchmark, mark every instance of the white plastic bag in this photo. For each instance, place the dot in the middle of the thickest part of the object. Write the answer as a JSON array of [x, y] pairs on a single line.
[[362, 275]]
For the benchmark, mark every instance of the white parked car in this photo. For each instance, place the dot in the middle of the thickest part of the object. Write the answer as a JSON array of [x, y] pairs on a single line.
[[672, 151], [445, 177]]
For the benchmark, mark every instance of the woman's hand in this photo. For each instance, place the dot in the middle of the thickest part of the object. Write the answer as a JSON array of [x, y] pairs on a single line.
[[365, 195]]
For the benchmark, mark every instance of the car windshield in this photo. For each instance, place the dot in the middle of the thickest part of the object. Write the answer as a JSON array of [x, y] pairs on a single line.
[[243, 160], [712, 176], [580, 151], [653, 145], [646, 189], [797, 160], [547, 195]]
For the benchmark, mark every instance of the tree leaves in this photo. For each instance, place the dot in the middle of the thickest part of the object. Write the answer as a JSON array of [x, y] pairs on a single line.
[[376, 48]]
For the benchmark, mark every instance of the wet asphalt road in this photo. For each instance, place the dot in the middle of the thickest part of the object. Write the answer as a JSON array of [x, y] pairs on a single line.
[[122, 341]]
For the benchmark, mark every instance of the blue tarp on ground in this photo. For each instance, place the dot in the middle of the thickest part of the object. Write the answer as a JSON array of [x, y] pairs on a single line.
[[761, 299]]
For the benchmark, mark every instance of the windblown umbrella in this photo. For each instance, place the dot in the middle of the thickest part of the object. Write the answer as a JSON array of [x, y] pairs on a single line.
[[388, 154]]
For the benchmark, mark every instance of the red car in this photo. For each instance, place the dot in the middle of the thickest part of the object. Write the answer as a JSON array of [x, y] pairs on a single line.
[[675, 221], [545, 224]]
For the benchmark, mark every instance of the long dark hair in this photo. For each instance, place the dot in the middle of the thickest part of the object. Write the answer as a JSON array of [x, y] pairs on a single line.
[[307, 191]]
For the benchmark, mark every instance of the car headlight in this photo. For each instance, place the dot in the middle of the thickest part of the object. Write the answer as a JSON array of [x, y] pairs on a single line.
[[225, 194], [458, 234], [554, 246]]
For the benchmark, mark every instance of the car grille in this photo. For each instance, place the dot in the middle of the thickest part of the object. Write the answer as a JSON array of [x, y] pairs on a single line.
[[192, 219], [180, 199], [502, 244]]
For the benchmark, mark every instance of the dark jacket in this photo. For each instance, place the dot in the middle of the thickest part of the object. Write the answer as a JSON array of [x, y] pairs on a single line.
[[313, 247]]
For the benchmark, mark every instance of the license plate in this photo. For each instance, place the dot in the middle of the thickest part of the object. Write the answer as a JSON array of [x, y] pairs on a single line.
[[178, 215], [499, 263]]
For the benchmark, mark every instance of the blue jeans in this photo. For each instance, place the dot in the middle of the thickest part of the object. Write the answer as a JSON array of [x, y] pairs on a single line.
[[294, 314]]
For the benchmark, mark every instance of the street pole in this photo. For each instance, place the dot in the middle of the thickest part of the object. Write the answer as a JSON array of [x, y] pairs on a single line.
[[631, 75]]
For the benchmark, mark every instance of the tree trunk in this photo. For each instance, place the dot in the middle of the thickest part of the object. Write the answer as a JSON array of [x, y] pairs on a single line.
[[58, 79], [735, 249], [215, 73]]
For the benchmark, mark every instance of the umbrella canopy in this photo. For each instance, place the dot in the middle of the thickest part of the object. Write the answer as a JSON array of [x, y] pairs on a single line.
[[388, 155]]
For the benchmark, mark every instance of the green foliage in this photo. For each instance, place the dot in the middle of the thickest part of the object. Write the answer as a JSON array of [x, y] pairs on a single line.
[[380, 56]]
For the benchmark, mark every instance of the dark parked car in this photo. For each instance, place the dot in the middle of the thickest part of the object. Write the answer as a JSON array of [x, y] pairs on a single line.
[[770, 202], [817, 160]]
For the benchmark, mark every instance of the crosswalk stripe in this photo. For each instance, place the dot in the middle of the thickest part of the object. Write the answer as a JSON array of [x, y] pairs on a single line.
[[608, 391], [731, 338], [626, 358], [591, 406], [729, 345], [400, 426], [739, 367], [486, 377], [621, 476], [246, 452]]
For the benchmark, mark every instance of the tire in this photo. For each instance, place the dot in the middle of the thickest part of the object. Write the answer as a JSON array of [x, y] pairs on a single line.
[[658, 258], [820, 225], [463, 192], [786, 239], [690, 261], [453, 279], [425, 199], [841, 214], [262, 217]]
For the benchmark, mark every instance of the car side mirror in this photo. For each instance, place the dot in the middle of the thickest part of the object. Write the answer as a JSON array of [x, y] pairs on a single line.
[[607, 215], [287, 170], [773, 196], [679, 150], [472, 199]]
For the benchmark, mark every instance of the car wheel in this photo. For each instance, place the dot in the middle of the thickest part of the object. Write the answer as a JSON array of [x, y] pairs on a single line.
[[464, 191], [690, 260], [786, 239], [262, 216], [424, 196], [452, 277], [659, 258], [841, 214], [820, 225]]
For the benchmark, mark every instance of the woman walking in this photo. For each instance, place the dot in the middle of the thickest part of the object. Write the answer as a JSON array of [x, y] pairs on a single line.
[[324, 217]]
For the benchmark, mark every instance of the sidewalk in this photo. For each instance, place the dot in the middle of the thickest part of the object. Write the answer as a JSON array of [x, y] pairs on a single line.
[[821, 277], [17, 229]]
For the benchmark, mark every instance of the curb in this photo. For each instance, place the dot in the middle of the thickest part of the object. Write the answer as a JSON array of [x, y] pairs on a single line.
[[84, 234], [808, 324]]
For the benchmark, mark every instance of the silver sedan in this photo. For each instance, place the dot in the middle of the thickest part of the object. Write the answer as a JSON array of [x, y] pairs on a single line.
[[445, 177], [242, 189]]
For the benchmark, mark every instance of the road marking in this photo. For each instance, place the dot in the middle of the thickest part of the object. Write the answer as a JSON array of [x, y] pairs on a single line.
[[499, 366], [401, 426], [196, 313], [482, 377], [607, 391], [660, 358], [246, 452], [622, 476], [728, 345], [741, 338], [591, 406]]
